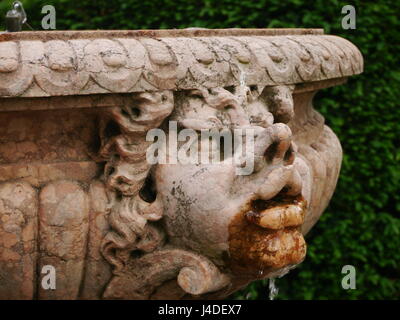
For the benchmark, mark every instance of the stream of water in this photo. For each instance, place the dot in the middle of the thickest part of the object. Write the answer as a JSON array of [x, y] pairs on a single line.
[[273, 289]]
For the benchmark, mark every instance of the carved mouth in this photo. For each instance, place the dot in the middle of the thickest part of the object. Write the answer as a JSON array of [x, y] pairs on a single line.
[[278, 213], [267, 235]]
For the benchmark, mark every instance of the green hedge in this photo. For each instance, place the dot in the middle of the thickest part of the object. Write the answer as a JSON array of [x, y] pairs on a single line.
[[361, 227]]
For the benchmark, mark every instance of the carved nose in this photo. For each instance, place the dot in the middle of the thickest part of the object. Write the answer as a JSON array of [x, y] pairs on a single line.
[[273, 146]]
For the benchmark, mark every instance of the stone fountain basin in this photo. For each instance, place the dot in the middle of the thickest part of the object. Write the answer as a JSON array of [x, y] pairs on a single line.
[[70, 143]]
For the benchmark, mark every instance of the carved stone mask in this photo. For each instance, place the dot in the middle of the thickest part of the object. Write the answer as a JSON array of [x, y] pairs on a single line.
[[249, 224]]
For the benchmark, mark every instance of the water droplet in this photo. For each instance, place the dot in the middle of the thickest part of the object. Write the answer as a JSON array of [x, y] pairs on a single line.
[[273, 290]]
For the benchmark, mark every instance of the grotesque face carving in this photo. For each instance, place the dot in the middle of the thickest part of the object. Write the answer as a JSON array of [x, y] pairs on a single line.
[[215, 229], [250, 225]]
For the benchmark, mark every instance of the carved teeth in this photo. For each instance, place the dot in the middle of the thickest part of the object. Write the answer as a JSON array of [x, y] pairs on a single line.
[[291, 249], [279, 217], [273, 245]]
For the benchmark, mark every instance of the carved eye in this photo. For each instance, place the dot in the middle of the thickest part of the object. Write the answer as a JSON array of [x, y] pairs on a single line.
[[229, 107]]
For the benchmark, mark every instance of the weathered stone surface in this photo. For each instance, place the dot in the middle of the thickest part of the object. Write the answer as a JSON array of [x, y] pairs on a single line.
[[63, 216], [97, 271], [18, 240], [78, 193], [45, 137]]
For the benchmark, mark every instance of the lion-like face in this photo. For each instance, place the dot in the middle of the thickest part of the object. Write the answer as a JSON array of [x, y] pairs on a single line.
[[250, 224]]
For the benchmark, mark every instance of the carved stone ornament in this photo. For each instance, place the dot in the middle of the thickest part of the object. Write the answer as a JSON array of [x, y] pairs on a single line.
[[78, 194]]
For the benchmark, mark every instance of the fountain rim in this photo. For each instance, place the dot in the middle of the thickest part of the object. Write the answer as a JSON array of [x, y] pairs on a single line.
[[161, 33], [70, 63]]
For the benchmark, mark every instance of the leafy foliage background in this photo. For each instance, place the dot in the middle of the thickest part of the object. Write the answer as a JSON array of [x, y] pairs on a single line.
[[361, 227]]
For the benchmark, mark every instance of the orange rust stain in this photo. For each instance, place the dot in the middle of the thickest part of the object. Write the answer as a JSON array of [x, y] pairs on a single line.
[[255, 251]]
